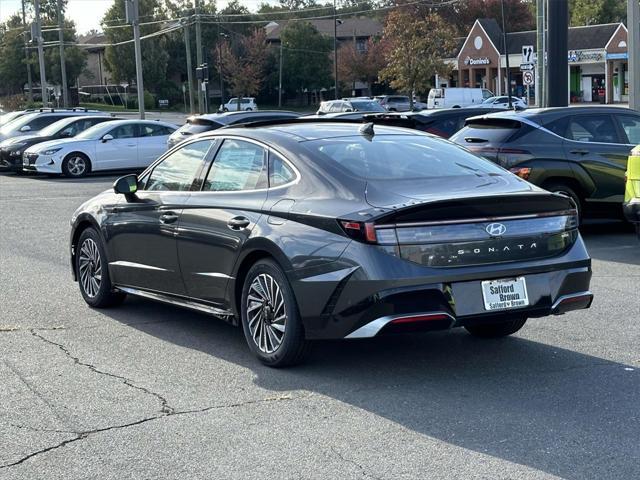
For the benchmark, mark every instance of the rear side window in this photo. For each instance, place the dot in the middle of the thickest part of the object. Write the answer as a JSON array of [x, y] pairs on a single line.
[[239, 165], [279, 172], [444, 127], [414, 157], [592, 128], [631, 127], [154, 130], [493, 131]]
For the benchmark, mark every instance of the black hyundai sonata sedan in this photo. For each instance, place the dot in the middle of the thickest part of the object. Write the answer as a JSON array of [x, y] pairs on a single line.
[[305, 230]]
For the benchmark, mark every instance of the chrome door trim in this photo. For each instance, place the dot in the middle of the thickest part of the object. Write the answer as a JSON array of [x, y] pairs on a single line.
[[214, 274], [123, 263], [180, 302]]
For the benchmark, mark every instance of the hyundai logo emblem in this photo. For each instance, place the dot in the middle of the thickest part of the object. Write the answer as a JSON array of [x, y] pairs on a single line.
[[496, 229]]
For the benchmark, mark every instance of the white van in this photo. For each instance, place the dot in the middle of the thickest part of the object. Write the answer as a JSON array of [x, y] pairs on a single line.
[[457, 97]]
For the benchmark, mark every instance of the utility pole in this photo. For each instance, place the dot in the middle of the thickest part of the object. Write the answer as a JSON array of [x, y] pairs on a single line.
[[187, 46], [38, 34], [540, 56], [133, 17], [633, 23], [196, 4], [222, 35], [63, 65], [27, 57], [335, 48], [506, 55], [558, 61], [280, 78]]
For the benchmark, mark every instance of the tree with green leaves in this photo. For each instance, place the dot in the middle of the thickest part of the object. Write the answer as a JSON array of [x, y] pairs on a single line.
[[120, 59], [593, 12], [13, 73], [306, 55], [414, 50]]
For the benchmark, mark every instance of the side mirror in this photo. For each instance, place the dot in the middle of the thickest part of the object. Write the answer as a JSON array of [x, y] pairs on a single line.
[[106, 138], [26, 128], [126, 185]]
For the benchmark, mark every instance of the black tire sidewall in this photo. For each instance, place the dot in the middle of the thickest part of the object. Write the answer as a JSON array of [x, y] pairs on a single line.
[[289, 350], [65, 167], [567, 191]]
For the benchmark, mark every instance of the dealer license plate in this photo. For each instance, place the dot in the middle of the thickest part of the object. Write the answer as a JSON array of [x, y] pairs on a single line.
[[505, 293]]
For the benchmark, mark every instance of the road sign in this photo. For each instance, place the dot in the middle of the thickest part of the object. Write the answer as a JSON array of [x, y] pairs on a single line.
[[526, 67], [528, 78], [527, 54]]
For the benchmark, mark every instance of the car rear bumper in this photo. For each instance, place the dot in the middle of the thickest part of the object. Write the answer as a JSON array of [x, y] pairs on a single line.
[[362, 301]]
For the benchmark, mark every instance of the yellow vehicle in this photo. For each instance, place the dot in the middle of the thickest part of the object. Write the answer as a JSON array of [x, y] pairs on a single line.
[[632, 189]]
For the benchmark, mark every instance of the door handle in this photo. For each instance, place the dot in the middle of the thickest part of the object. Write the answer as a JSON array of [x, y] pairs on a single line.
[[238, 223], [579, 151], [168, 217]]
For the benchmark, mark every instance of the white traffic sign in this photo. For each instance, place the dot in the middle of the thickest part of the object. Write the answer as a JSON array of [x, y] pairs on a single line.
[[528, 78], [527, 54], [526, 66]]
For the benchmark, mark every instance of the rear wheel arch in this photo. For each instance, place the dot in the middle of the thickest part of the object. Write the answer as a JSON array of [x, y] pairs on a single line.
[[570, 182], [258, 251], [89, 165]]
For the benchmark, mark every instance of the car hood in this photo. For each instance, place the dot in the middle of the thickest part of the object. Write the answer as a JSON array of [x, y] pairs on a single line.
[[58, 143], [399, 193]]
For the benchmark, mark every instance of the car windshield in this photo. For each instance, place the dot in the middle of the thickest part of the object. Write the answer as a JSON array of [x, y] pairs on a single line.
[[401, 157], [367, 106], [96, 131], [56, 127], [9, 117], [18, 123], [198, 125], [490, 100]]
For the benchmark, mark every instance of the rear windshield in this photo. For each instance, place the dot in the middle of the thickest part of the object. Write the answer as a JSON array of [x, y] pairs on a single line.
[[397, 157], [367, 106], [493, 131], [199, 125]]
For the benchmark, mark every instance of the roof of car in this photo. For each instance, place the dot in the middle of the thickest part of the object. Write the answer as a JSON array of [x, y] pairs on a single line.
[[548, 113], [228, 117], [310, 130]]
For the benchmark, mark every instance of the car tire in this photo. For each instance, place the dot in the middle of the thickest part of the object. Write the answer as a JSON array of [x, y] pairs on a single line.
[[248, 109], [456, 106], [496, 329], [568, 192], [225, 109], [268, 300], [76, 165], [93, 272]]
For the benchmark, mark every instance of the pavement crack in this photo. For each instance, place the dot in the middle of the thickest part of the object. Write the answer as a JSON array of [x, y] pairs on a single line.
[[338, 454], [164, 404], [78, 436]]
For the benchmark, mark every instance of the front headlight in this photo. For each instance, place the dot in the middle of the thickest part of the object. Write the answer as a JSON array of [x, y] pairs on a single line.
[[16, 149], [51, 151]]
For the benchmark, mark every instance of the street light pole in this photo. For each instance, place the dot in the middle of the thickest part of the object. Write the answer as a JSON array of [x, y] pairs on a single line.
[[187, 46], [506, 55], [280, 78], [133, 17], [335, 48], [38, 33], [558, 64], [633, 22], [196, 4], [27, 57], [63, 65]]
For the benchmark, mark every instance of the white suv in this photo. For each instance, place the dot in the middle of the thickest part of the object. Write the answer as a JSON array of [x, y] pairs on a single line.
[[246, 104]]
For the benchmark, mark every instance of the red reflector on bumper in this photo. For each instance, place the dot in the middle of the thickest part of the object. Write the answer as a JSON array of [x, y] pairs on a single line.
[[420, 318]]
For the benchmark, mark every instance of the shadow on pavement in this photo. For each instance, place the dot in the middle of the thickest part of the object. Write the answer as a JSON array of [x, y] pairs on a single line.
[[612, 242], [555, 410]]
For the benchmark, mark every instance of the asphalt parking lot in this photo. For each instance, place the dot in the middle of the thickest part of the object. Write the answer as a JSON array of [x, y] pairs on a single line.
[[150, 391]]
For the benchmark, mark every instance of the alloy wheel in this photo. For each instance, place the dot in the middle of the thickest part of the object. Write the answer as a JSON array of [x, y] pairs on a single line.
[[76, 166], [90, 268], [266, 313]]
